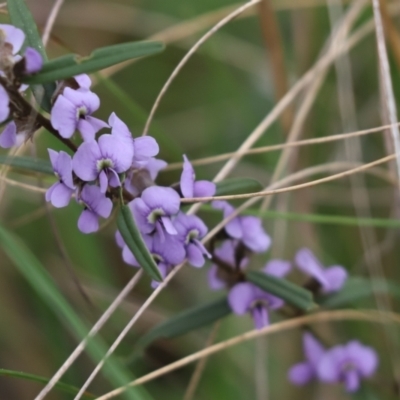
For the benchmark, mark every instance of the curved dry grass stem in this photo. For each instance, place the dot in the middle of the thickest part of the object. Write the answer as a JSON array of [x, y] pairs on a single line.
[[275, 147], [387, 80], [324, 316], [292, 188], [50, 21], [98, 325], [184, 60]]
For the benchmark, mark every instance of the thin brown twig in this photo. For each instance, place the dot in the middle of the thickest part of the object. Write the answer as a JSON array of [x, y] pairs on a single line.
[[291, 188], [324, 316], [275, 147]]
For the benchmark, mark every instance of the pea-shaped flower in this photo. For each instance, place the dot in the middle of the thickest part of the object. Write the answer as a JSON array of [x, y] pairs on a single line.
[[4, 105], [153, 210], [331, 279], [104, 159], [348, 364]]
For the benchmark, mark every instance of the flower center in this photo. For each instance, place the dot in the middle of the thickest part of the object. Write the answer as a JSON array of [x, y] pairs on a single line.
[[348, 366], [259, 303], [81, 112], [154, 215], [192, 234], [104, 163]]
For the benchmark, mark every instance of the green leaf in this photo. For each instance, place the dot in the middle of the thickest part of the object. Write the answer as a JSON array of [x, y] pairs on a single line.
[[135, 242], [358, 288], [59, 385], [291, 293], [238, 186], [187, 321], [22, 18], [72, 64], [365, 393], [37, 276], [28, 163]]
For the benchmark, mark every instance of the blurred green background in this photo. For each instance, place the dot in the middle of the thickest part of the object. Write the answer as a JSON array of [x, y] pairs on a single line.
[[220, 96]]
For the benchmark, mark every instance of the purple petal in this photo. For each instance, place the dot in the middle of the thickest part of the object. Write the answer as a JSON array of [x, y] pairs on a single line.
[[85, 160], [49, 191], [119, 239], [308, 263], [351, 381], [129, 258], [328, 368], [260, 317], [163, 198], [64, 117], [96, 201], [53, 155], [103, 181], [301, 373], [170, 249], [336, 276], [254, 236], [204, 189], [168, 225], [4, 105], [88, 222], [113, 178], [313, 349], [89, 126], [365, 358], [140, 211], [8, 138], [60, 195], [119, 151], [14, 36], [240, 297], [83, 81], [233, 228], [187, 178], [118, 127], [195, 255], [278, 268], [63, 167], [82, 98], [214, 282], [154, 166], [33, 61], [145, 147]]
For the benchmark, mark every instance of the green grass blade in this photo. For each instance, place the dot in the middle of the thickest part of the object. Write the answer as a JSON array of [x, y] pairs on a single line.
[[28, 163], [40, 379], [135, 242], [72, 64], [291, 293], [37, 276]]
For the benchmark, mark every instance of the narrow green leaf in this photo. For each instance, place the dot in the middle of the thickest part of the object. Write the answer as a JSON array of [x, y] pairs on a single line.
[[293, 294], [357, 288], [22, 18], [37, 276], [187, 321], [28, 163], [238, 186], [59, 385], [365, 393], [134, 241], [72, 64]]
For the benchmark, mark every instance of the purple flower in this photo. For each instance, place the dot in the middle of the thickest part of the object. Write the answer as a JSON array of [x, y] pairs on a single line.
[[331, 279], [169, 252], [83, 81], [11, 41], [246, 297], [306, 371], [190, 229], [217, 277], [33, 61], [142, 175], [189, 187], [152, 211], [348, 364], [105, 159], [4, 104], [96, 205], [72, 111], [60, 193], [248, 229]]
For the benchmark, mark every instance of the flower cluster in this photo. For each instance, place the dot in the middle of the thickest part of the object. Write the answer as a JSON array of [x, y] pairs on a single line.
[[347, 364]]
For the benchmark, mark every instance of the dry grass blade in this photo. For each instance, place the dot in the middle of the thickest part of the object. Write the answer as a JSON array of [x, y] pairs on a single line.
[[326, 316], [292, 188], [50, 21], [99, 324], [184, 60]]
